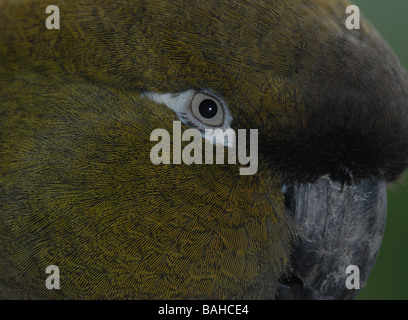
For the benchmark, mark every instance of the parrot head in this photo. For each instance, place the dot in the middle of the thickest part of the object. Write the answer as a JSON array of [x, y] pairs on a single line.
[[78, 188]]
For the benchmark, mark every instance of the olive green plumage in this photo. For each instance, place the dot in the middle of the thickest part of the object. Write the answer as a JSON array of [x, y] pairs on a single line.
[[79, 191], [77, 187]]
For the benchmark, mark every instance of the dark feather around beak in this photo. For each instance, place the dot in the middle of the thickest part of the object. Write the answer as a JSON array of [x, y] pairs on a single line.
[[338, 226]]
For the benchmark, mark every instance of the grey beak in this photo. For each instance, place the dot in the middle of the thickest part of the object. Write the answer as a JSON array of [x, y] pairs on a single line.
[[338, 226]]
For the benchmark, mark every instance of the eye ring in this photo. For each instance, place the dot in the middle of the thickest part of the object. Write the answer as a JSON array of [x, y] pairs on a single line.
[[207, 109]]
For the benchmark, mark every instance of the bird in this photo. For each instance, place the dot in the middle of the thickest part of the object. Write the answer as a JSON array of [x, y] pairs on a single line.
[[79, 190]]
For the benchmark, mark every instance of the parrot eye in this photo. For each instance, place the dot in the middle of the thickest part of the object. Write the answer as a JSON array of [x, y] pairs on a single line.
[[207, 109], [200, 109]]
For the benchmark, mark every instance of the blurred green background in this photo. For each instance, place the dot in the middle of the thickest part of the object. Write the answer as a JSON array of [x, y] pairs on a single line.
[[389, 278]]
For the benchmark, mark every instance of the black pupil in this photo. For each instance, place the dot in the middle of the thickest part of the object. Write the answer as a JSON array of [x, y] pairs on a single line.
[[208, 108]]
